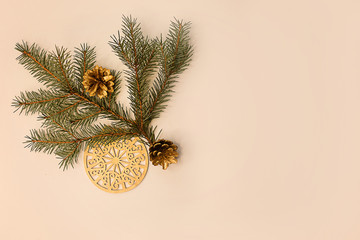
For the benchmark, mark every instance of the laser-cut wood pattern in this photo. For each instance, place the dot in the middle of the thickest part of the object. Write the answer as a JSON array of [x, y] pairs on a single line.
[[117, 167]]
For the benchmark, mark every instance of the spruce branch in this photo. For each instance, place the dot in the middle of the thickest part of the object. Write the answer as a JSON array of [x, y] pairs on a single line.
[[69, 114], [85, 119], [84, 60], [139, 54], [39, 101], [63, 111], [63, 65], [69, 155], [104, 134], [112, 114], [59, 140], [63, 127], [47, 140], [40, 64], [117, 87], [65, 98], [175, 56], [61, 72]]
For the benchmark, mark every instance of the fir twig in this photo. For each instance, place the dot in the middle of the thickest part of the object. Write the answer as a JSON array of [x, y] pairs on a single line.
[[84, 60], [62, 58], [69, 114], [139, 54], [175, 56]]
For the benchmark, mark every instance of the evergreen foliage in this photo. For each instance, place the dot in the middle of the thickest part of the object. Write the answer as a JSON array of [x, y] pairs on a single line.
[[70, 116], [175, 56]]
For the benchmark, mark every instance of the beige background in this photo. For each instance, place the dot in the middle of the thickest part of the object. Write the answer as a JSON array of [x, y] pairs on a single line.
[[267, 117]]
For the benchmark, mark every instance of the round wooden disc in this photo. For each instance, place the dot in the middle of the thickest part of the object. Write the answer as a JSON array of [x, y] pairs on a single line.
[[117, 167]]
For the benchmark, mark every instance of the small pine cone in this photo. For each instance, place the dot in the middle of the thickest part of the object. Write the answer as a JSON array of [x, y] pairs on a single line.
[[98, 81], [163, 152]]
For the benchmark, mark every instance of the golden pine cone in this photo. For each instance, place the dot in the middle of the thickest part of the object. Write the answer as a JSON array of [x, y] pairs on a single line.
[[163, 152], [98, 81]]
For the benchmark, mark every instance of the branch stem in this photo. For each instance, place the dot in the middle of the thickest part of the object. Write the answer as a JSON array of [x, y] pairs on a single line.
[[104, 109]]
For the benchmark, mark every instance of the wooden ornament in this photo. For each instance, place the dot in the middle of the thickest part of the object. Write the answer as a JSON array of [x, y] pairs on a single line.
[[117, 167]]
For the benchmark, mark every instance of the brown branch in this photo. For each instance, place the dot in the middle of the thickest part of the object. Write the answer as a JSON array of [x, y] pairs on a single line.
[[177, 41], [167, 75], [84, 139], [146, 136], [83, 88], [109, 100], [63, 110], [133, 42], [64, 129], [95, 136], [137, 76], [47, 100], [140, 104], [103, 109], [176, 49], [134, 67], [62, 69], [125, 56], [87, 117], [87, 100], [71, 152], [57, 142], [164, 83], [42, 66], [149, 60], [104, 135]]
